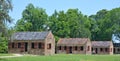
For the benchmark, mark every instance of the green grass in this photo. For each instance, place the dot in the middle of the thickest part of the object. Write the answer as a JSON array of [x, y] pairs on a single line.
[[66, 57], [5, 54]]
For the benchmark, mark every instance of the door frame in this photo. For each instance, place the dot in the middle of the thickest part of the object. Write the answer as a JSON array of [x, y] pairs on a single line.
[[26, 46], [70, 49]]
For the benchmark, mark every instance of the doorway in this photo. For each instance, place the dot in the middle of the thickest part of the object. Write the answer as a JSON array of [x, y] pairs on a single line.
[[70, 49], [114, 50], [96, 50], [26, 46]]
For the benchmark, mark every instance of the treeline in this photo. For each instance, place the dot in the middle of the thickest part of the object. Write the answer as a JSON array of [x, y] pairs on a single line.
[[69, 24]]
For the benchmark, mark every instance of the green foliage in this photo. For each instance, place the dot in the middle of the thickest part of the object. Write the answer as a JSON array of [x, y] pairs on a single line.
[[5, 7], [70, 24], [58, 24], [33, 19], [107, 23], [3, 44]]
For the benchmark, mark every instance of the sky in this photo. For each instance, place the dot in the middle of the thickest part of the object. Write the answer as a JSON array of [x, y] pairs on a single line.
[[87, 7]]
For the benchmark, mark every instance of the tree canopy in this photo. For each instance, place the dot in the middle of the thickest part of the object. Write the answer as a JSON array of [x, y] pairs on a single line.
[[108, 23], [72, 23], [33, 19], [5, 7]]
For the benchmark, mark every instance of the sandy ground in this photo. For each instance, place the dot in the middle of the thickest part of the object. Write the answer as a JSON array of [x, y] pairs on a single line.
[[14, 55]]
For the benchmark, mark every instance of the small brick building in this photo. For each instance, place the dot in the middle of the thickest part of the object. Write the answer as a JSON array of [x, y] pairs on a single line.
[[102, 47], [74, 46], [39, 43], [116, 48]]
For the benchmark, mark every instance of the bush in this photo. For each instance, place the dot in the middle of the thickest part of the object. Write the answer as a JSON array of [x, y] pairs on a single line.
[[3, 44]]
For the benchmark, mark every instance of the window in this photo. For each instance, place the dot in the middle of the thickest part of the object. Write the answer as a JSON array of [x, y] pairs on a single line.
[[106, 49], [118, 49], [13, 45], [59, 47], [32, 45], [101, 49], [19, 45], [75, 47], [92, 49], [65, 47], [40, 45], [49, 46], [81, 48], [114, 50]]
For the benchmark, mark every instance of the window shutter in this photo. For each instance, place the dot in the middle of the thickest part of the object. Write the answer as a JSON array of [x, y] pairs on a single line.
[[75, 48], [35, 45], [22, 47], [42, 45], [108, 49], [62, 47]]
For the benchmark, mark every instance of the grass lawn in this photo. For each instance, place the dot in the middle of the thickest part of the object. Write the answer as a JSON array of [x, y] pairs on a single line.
[[66, 57], [5, 54]]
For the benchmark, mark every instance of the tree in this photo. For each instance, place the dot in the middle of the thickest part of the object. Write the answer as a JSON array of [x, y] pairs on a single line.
[[107, 24], [33, 19], [69, 24], [58, 24], [3, 44], [5, 7], [79, 24], [111, 23], [96, 30]]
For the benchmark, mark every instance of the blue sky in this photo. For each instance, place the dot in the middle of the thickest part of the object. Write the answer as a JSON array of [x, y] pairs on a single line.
[[87, 7]]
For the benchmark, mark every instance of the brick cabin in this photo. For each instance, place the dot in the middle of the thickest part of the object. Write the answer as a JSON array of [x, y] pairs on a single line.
[[102, 47], [116, 48], [74, 46], [38, 43]]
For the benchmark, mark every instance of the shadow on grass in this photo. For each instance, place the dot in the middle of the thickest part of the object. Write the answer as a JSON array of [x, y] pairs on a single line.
[[3, 59]]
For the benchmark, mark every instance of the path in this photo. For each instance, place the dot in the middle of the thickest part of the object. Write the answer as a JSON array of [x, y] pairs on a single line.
[[14, 55]]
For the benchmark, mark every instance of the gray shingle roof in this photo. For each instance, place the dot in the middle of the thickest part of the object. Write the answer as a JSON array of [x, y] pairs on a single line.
[[29, 35], [72, 41], [101, 43]]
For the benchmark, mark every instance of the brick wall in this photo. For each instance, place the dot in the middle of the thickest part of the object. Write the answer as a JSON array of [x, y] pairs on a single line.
[[49, 41], [74, 50], [30, 50]]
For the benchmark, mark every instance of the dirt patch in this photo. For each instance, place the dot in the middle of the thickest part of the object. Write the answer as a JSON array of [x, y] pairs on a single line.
[[14, 55]]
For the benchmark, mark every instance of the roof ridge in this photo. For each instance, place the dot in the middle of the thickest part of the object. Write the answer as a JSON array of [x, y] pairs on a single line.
[[31, 31]]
